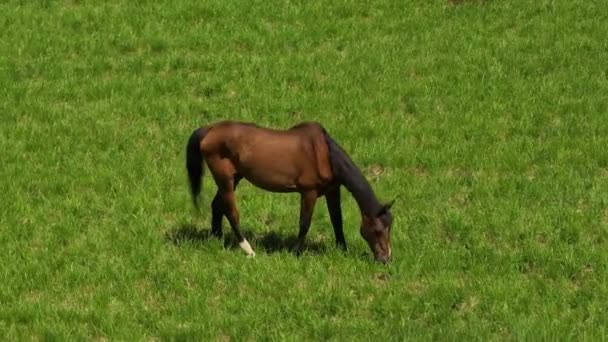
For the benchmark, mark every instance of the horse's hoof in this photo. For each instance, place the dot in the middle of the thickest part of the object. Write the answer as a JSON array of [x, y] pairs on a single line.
[[247, 248]]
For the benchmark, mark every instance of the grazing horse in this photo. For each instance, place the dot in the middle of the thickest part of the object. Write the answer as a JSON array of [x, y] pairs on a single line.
[[303, 159]]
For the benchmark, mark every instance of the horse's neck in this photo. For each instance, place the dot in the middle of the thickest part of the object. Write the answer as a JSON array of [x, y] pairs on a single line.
[[354, 181], [366, 200]]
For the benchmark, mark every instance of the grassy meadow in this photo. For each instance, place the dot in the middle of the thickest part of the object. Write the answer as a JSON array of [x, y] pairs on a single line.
[[487, 120]]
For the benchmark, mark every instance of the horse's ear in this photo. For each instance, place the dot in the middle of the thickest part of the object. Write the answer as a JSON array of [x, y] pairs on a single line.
[[389, 205], [386, 207]]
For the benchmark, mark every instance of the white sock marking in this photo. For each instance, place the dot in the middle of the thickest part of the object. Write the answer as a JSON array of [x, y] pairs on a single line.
[[247, 247]]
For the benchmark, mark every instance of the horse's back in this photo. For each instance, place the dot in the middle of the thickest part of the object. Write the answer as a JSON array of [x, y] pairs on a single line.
[[299, 155], [229, 129], [309, 127]]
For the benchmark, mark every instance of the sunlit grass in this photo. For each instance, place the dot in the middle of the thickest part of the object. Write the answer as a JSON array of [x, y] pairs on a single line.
[[486, 119]]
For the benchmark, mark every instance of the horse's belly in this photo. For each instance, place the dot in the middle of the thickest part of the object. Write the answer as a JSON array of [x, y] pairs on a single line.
[[271, 182], [271, 178], [274, 187], [275, 168]]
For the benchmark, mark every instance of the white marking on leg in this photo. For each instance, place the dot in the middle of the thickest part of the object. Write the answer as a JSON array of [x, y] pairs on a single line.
[[389, 250], [247, 247]]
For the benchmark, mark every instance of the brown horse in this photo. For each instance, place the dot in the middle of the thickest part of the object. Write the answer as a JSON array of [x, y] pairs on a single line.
[[303, 159]]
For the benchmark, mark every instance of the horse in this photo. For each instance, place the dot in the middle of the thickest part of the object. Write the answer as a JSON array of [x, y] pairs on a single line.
[[302, 159]]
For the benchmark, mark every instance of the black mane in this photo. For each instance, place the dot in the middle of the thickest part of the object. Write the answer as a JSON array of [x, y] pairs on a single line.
[[349, 175]]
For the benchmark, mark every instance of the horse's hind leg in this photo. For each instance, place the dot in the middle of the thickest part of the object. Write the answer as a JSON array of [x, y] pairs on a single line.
[[307, 206], [335, 214], [218, 209], [217, 214], [232, 214]]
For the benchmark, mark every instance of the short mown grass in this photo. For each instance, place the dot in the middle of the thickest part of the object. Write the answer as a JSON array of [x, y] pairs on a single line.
[[487, 120]]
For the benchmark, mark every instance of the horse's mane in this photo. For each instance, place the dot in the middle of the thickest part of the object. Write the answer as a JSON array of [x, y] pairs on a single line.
[[349, 175]]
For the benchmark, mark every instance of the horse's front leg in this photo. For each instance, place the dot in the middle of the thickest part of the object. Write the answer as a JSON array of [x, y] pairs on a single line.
[[307, 206]]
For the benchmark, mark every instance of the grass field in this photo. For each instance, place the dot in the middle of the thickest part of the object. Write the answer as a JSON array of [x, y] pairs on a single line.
[[487, 119]]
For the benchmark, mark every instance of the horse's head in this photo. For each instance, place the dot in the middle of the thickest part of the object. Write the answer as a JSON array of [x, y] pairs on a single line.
[[376, 230]]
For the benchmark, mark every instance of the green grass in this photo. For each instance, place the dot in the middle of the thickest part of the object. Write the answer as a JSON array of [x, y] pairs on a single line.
[[488, 120]]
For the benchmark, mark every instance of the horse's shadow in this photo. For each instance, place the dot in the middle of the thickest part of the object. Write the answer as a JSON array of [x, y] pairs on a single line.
[[187, 233], [269, 242], [273, 242]]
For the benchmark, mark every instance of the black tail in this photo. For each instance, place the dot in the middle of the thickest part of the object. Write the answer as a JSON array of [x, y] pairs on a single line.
[[194, 163]]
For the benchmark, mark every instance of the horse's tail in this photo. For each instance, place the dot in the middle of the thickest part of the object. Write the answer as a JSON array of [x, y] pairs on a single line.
[[194, 163]]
